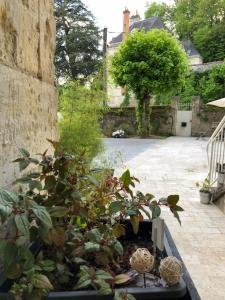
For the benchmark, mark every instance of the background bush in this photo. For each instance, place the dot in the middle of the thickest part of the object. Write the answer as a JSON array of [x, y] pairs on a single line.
[[80, 109]]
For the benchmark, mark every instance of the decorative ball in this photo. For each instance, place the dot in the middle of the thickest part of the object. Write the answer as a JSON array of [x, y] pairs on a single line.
[[142, 261], [170, 270]]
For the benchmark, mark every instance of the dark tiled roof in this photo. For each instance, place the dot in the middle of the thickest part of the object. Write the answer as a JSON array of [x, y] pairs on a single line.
[[189, 48], [147, 24], [155, 23]]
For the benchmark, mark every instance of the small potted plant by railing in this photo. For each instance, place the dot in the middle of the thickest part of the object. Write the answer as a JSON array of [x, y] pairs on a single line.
[[205, 191], [220, 168], [86, 233]]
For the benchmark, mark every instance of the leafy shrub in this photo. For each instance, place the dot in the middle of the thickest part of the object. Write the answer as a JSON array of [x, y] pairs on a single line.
[[81, 108], [78, 221]]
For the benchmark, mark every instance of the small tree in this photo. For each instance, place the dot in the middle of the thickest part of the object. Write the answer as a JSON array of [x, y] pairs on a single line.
[[148, 64]]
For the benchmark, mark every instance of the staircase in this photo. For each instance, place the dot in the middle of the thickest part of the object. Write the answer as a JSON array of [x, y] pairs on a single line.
[[216, 153]]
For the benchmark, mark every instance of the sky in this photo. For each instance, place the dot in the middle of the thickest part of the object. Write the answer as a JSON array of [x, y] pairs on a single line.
[[109, 13]]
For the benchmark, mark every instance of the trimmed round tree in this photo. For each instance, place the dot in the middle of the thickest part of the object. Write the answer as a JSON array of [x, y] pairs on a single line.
[[149, 64]]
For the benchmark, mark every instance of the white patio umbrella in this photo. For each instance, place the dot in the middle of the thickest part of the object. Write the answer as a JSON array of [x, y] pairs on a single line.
[[219, 103]]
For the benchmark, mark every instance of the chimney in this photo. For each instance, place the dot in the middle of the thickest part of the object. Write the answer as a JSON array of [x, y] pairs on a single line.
[[126, 23], [135, 18]]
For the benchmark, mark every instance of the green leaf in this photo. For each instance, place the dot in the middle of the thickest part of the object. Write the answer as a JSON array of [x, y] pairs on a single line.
[[122, 279], [41, 213], [91, 247], [34, 175], [5, 212], [118, 230], [176, 215], [23, 164], [23, 180], [10, 258], [163, 201], [47, 265], [178, 208], [7, 197], [23, 225], [82, 283], [118, 248], [126, 178], [116, 206], [93, 180], [35, 184], [41, 281], [172, 200], [149, 197], [50, 182], [156, 210], [94, 235], [24, 152], [58, 211], [103, 275]]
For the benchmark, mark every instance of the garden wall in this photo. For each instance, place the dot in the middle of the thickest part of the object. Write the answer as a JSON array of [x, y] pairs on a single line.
[[205, 118], [28, 98], [162, 120]]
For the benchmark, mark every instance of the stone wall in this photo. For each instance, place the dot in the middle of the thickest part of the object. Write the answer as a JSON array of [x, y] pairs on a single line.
[[163, 120], [205, 118], [116, 118], [28, 98]]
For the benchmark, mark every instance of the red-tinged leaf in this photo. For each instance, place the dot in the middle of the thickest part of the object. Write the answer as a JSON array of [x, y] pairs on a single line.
[[172, 200], [135, 223]]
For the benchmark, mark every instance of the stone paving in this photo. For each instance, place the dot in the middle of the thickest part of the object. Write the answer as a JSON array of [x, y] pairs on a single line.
[[173, 166]]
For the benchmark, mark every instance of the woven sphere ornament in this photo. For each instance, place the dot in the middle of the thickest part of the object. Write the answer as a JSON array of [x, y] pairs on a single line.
[[170, 270], [142, 261]]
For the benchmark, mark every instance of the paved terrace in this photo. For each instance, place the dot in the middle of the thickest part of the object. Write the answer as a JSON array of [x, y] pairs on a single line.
[[173, 166]]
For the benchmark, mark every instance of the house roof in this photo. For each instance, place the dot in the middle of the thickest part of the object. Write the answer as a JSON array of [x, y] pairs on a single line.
[[189, 48], [155, 23], [147, 24]]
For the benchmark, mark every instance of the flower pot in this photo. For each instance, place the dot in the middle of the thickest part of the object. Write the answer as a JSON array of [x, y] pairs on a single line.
[[221, 178], [205, 197], [176, 292]]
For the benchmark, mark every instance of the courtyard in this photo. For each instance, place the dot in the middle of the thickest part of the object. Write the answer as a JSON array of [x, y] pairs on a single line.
[[173, 166]]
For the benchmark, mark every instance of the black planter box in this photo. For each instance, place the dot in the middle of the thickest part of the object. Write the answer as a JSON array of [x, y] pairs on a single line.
[[177, 292]]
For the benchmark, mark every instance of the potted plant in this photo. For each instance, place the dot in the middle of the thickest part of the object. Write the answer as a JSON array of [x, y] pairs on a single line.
[[66, 235], [204, 191]]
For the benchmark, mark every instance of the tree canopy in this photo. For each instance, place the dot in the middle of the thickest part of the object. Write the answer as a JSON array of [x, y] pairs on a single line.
[[77, 40], [202, 21], [163, 11], [148, 64]]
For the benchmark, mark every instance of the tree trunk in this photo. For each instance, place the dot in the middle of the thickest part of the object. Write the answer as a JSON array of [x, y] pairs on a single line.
[[143, 116]]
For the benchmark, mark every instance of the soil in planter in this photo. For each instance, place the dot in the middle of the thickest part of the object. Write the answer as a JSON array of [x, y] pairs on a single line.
[[152, 279]]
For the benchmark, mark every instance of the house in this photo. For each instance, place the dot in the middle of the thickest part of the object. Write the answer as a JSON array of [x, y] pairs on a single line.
[[116, 94]]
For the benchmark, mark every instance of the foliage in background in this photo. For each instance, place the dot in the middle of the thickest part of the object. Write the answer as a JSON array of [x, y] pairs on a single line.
[[148, 64], [77, 40], [209, 85], [77, 220], [201, 21], [81, 109], [162, 10]]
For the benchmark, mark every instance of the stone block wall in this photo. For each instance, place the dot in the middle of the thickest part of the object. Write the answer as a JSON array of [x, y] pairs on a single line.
[[28, 97], [116, 118], [163, 120], [205, 118]]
